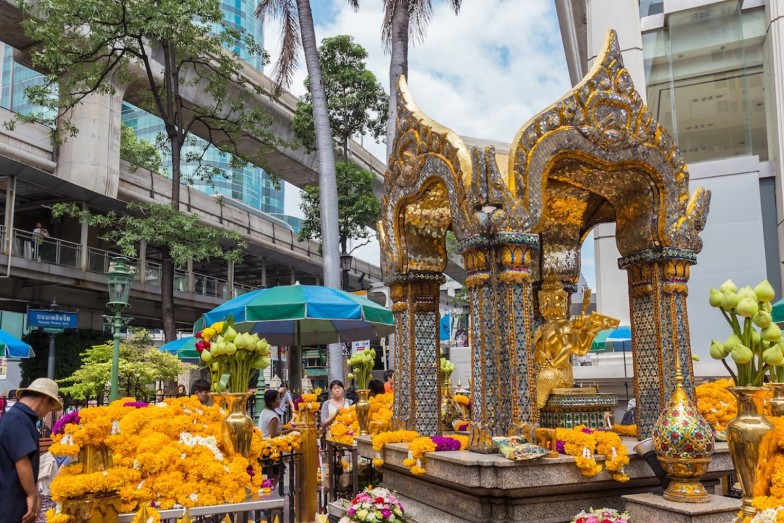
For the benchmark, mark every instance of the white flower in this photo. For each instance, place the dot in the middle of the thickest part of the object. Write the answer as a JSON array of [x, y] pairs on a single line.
[[194, 497], [767, 515], [140, 485], [115, 427], [67, 440]]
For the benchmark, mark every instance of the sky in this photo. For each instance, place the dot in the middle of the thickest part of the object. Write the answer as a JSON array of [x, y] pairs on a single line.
[[483, 73]]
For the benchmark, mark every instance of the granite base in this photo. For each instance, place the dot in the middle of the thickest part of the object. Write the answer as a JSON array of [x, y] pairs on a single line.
[[653, 507]]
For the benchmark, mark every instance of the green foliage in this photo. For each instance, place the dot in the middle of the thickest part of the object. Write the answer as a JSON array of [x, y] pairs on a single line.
[[68, 347], [358, 208], [92, 46], [141, 365], [357, 102], [139, 153], [161, 226]]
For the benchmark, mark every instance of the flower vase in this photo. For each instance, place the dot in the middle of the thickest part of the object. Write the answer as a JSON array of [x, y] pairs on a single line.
[[748, 438], [97, 508], [95, 458], [450, 410], [363, 411], [237, 425], [777, 401]]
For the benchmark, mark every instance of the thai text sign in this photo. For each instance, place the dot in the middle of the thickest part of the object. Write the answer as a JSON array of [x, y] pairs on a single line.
[[47, 318]]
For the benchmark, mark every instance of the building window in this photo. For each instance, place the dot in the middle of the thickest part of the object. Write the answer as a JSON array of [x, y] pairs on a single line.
[[705, 81]]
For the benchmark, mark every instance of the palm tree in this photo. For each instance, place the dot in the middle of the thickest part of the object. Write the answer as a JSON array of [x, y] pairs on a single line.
[[402, 20], [298, 33]]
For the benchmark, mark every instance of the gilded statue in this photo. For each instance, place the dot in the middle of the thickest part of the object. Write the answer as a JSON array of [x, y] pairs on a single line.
[[560, 337]]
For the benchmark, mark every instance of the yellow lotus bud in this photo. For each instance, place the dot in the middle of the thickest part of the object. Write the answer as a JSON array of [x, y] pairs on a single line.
[[747, 307], [741, 354], [241, 341], [717, 350], [350, 375], [728, 285], [765, 292], [206, 356], [773, 356], [747, 292], [766, 306], [230, 334], [715, 298], [771, 333], [762, 319], [732, 342], [230, 349], [729, 300], [755, 338]]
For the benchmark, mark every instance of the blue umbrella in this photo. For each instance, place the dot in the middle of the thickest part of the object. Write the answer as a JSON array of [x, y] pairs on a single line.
[[184, 347], [621, 336], [13, 347], [304, 315]]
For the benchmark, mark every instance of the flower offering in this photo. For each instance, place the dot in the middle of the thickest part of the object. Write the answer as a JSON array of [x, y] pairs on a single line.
[[361, 363], [601, 515], [376, 505]]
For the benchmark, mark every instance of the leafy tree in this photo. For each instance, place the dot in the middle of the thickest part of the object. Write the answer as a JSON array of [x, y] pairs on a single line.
[[357, 102], [162, 227], [141, 365], [90, 46], [298, 33], [68, 347], [358, 208], [139, 153]]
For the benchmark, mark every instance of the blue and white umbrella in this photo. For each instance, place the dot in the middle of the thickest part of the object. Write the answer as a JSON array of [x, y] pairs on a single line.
[[14, 347], [621, 338]]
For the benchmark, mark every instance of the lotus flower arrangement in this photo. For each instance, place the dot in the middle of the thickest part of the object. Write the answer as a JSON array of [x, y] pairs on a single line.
[[361, 363], [231, 357], [753, 352], [447, 368]]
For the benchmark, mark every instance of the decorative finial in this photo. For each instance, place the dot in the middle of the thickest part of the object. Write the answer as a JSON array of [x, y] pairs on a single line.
[[678, 372]]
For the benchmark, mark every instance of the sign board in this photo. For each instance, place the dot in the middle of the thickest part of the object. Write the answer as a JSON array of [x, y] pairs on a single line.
[[52, 330], [53, 319], [3, 368], [359, 346]]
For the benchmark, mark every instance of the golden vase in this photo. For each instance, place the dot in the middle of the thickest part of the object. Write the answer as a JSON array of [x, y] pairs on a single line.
[[93, 509], [363, 411], [95, 458], [777, 401], [749, 437], [237, 425]]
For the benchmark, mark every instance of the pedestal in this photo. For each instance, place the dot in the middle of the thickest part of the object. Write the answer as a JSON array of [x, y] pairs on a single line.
[[653, 507]]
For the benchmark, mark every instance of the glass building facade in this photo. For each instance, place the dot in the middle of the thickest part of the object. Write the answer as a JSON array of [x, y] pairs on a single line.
[[705, 82], [15, 78]]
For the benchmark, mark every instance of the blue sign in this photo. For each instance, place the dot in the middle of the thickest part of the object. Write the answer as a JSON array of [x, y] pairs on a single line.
[[47, 318]]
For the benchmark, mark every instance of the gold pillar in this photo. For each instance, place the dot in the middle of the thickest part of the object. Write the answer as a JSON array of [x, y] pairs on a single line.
[[307, 499], [658, 287], [417, 355], [501, 301]]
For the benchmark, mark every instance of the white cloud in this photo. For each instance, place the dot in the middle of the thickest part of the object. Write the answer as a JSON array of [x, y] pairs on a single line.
[[483, 73]]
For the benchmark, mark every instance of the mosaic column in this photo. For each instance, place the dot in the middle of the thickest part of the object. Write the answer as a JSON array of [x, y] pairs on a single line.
[[417, 352], [501, 302], [658, 286]]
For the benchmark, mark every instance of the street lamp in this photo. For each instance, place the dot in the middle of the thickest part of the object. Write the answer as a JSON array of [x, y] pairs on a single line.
[[119, 277], [345, 266]]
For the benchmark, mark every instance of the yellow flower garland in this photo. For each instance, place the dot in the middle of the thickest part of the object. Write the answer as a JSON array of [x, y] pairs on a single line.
[[417, 449], [462, 400], [772, 475], [345, 428], [609, 444], [583, 446], [395, 436], [628, 431], [717, 404]]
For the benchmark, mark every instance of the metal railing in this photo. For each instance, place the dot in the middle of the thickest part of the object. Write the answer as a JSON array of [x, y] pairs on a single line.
[[32, 246], [236, 512]]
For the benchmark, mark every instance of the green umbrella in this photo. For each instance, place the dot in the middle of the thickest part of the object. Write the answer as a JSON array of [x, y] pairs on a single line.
[[600, 340], [184, 348], [778, 311]]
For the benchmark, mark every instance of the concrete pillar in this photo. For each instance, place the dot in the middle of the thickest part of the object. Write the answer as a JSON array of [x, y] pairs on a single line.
[[91, 159], [293, 275], [143, 261], [774, 105], [191, 278], [264, 273], [84, 236], [624, 17], [230, 280], [10, 203]]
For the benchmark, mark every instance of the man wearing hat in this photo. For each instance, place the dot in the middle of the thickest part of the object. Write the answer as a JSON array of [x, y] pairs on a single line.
[[19, 451]]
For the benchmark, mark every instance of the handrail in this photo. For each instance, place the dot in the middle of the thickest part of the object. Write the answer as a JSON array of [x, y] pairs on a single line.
[[32, 246]]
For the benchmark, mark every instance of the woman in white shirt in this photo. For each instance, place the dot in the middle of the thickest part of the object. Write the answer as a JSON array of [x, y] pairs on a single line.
[[336, 402], [269, 422]]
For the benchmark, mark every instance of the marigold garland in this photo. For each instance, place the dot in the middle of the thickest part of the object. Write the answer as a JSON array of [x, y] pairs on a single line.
[[345, 428], [582, 443], [626, 431], [773, 476], [462, 400], [395, 436], [717, 404]]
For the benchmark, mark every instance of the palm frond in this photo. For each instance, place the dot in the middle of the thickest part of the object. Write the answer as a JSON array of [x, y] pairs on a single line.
[[286, 11], [420, 12], [354, 4]]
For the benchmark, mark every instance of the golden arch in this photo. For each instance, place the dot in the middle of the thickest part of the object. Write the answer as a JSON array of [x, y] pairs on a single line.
[[595, 156]]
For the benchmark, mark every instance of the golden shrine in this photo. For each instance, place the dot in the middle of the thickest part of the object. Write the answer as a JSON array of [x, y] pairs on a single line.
[[595, 156]]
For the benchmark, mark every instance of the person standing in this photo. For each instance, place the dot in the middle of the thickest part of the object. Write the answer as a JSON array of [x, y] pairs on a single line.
[[39, 234], [19, 451], [286, 407], [389, 381], [337, 401]]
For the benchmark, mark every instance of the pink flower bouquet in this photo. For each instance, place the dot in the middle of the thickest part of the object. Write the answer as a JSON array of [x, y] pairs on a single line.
[[601, 515], [376, 505]]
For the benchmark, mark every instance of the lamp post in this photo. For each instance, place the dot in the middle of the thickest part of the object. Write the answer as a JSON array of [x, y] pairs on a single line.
[[52, 334], [119, 277], [345, 265]]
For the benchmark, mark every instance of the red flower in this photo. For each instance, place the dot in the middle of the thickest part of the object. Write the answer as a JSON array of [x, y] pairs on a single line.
[[380, 500]]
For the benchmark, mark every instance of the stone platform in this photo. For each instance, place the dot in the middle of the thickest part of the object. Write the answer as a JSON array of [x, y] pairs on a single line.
[[653, 507], [465, 487]]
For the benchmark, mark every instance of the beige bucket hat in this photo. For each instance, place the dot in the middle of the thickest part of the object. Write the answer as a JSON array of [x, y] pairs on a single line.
[[43, 386]]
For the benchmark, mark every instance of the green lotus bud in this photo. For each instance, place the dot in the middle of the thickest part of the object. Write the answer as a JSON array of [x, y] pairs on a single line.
[[765, 292], [732, 342], [350, 375], [728, 285], [747, 292], [206, 356], [741, 354], [240, 341], [771, 333], [715, 298], [695, 357], [717, 351], [773, 356], [755, 338], [230, 349], [766, 306], [762, 319], [729, 300], [230, 334], [747, 307]]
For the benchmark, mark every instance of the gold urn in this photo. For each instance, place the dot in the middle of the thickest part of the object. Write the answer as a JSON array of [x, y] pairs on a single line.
[[684, 443]]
